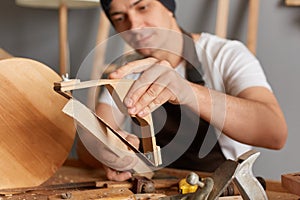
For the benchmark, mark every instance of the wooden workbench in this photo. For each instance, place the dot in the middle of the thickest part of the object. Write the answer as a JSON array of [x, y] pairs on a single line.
[[74, 173]]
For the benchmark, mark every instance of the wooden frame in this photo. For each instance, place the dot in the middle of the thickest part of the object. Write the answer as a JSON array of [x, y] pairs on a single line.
[[118, 89]]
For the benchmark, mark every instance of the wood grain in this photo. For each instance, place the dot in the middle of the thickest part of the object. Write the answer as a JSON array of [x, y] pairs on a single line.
[[291, 182], [35, 135]]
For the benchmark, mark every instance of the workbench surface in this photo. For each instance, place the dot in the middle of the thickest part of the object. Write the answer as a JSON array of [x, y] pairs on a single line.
[[73, 174]]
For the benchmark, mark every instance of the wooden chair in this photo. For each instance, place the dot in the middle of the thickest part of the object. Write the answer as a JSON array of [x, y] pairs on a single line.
[[222, 21]]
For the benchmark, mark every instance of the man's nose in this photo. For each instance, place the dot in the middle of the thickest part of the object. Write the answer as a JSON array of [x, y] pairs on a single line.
[[135, 21]]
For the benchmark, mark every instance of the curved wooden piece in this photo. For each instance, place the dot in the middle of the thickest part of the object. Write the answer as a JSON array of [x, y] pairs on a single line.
[[35, 135], [96, 133], [118, 88]]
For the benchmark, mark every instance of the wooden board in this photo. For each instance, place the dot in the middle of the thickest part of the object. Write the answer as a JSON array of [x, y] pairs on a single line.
[[291, 182], [103, 194], [35, 135]]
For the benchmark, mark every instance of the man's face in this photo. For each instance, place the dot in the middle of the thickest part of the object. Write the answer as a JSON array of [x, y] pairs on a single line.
[[144, 24]]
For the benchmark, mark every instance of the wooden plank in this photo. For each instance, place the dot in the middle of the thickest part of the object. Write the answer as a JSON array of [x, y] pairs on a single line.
[[222, 18], [275, 186], [281, 196], [63, 40], [292, 2], [97, 194], [291, 182], [252, 25]]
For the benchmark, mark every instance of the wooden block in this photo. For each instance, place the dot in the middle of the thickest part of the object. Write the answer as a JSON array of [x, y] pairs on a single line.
[[291, 182], [106, 193]]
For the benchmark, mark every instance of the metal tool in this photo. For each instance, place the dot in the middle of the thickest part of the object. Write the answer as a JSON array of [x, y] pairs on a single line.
[[240, 171], [248, 185]]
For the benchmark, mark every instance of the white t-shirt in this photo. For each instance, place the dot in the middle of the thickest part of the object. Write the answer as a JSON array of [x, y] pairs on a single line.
[[228, 67]]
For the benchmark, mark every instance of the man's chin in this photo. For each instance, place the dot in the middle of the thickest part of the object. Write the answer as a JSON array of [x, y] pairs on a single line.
[[146, 51]]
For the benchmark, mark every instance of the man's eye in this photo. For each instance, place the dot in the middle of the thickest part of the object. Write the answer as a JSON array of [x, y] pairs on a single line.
[[144, 7], [118, 19]]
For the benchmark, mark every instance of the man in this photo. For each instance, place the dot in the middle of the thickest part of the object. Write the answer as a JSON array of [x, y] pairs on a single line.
[[228, 89]]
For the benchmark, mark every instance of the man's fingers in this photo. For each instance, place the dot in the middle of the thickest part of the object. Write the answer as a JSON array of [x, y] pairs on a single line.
[[153, 97], [116, 175], [163, 97], [133, 67], [150, 82]]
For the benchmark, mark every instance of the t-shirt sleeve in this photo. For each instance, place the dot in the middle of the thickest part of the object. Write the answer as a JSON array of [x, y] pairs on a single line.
[[106, 98], [241, 69]]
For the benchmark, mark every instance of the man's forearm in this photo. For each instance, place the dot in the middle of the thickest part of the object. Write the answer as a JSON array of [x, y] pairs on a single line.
[[254, 117]]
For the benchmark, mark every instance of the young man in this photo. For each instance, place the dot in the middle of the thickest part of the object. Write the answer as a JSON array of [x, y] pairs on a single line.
[[228, 89]]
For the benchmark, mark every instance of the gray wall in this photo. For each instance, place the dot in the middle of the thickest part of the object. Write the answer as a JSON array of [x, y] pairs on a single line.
[[33, 33]]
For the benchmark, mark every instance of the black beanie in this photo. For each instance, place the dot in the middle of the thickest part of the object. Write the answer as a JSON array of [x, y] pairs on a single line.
[[169, 4]]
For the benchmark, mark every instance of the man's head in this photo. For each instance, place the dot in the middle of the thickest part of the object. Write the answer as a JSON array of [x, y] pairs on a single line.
[[146, 25], [169, 4]]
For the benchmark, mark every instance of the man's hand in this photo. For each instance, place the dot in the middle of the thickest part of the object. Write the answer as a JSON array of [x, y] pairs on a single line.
[[119, 170], [158, 83]]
